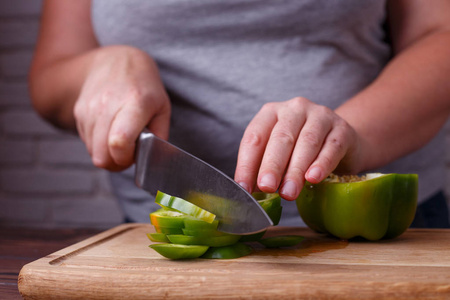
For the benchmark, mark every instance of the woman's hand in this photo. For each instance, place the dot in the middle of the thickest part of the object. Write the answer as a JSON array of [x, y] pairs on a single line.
[[108, 94], [122, 94], [288, 142]]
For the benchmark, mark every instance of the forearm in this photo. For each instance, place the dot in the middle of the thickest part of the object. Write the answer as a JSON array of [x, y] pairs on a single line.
[[65, 48], [406, 105], [55, 87]]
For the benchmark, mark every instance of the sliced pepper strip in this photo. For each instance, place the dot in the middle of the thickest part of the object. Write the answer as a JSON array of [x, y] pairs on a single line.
[[271, 203], [213, 241], [168, 230], [191, 223], [158, 237], [203, 232], [267, 200], [184, 206], [176, 251], [275, 214], [167, 218]]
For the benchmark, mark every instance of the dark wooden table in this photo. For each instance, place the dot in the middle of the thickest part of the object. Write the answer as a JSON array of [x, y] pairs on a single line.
[[19, 246]]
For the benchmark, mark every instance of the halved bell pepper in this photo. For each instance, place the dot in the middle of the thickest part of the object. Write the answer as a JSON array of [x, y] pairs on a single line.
[[378, 206]]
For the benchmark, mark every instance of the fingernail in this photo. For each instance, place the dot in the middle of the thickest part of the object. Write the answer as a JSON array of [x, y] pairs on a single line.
[[268, 181], [244, 185], [315, 173], [289, 188]]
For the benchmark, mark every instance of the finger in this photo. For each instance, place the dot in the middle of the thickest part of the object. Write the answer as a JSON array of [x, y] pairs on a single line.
[[279, 148], [125, 129], [100, 149], [84, 127], [128, 123], [160, 124], [308, 146], [333, 150], [80, 131], [252, 146]]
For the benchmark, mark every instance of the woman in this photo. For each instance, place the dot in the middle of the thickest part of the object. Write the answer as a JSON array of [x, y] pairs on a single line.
[[291, 91]]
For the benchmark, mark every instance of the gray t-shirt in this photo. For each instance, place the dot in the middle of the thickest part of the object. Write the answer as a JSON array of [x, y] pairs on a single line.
[[220, 61]]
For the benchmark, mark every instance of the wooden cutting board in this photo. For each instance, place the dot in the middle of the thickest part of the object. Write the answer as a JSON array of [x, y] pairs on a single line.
[[117, 264]]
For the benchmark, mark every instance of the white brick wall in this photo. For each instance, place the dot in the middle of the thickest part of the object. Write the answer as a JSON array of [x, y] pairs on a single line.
[[46, 176]]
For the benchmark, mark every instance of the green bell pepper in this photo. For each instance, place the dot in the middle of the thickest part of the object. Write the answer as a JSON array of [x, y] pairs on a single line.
[[379, 206], [168, 230], [167, 218], [203, 232], [158, 237], [212, 241], [191, 223], [189, 231], [183, 206], [176, 251], [271, 203]]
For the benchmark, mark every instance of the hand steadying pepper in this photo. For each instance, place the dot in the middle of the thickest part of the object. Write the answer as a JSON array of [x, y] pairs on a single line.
[[287, 142]]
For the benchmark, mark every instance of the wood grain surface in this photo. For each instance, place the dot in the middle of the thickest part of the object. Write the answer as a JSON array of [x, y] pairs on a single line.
[[20, 246], [117, 264]]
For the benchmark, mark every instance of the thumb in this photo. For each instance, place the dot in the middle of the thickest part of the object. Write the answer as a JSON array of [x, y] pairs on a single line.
[[126, 127], [159, 125]]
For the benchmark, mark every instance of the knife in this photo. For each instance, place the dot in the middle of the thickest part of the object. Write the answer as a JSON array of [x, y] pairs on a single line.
[[165, 167]]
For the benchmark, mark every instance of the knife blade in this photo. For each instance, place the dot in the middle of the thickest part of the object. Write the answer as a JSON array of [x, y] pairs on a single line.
[[165, 167]]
